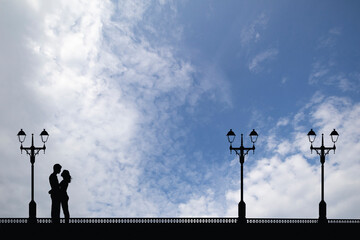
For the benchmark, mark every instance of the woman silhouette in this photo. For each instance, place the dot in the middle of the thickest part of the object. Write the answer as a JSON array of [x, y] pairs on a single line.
[[64, 198]]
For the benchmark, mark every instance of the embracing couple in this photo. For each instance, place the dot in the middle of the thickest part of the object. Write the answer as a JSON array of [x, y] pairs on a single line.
[[58, 194]]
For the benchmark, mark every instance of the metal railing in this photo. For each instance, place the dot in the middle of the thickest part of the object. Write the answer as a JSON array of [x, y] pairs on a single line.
[[282, 220], [179, 220]]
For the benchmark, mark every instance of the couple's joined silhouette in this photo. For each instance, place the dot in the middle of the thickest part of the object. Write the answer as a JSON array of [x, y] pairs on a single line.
[[59, 194]]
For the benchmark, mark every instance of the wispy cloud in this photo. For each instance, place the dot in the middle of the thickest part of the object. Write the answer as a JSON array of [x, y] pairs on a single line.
[[326, 68], [319, 70], [256, 63], [328, 73], [329, 40], [252, 32]]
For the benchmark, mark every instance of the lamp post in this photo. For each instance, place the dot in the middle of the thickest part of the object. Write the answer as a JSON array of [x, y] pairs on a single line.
[[322, 151], [242, 152], [32, 151]]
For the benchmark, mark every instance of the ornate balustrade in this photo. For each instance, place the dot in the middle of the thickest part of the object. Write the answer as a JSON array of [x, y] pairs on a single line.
[[179, 220], [129, 220], [344, 220], [282, 220]]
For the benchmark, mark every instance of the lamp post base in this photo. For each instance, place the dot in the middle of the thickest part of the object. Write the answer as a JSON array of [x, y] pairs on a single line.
[[242, 212], [322, 212], [32, 212]]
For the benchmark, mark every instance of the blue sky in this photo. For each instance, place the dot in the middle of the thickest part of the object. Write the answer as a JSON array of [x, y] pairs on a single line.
[[137, 97]]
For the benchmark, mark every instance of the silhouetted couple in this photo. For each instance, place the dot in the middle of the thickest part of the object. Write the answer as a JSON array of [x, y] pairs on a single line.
[[59, 195]]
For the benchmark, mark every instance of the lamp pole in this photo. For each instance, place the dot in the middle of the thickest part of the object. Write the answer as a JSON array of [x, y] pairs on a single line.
[[322, 151], [241, 152], [32, 151]]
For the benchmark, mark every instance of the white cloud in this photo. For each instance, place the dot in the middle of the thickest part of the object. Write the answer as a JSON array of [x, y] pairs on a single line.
[[319, 70], [329, 40], [282, 122], [255, 64], [109, 99], [287, 182], [252, 31], [284, 180], [116, 121], [201, 206], [282, 188]]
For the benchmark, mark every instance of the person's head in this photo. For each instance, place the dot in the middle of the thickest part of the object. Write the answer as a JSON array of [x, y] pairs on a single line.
[[66, 175], [57, 168]]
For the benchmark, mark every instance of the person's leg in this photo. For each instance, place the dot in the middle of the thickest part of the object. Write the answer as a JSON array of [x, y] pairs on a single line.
[[65, 208], [55, 210], [52, 210]]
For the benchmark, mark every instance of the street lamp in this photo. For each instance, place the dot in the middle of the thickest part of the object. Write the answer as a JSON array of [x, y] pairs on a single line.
[[241, 152], [322, 152], [32, 151]]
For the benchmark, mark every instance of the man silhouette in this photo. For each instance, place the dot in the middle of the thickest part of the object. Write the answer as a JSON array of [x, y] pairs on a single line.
[[54, 193]]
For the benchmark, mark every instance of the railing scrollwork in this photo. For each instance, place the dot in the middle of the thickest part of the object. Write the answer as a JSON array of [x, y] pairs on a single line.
[[179, 220]]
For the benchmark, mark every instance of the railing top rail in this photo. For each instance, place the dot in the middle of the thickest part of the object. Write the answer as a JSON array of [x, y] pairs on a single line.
[[179, 220]]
